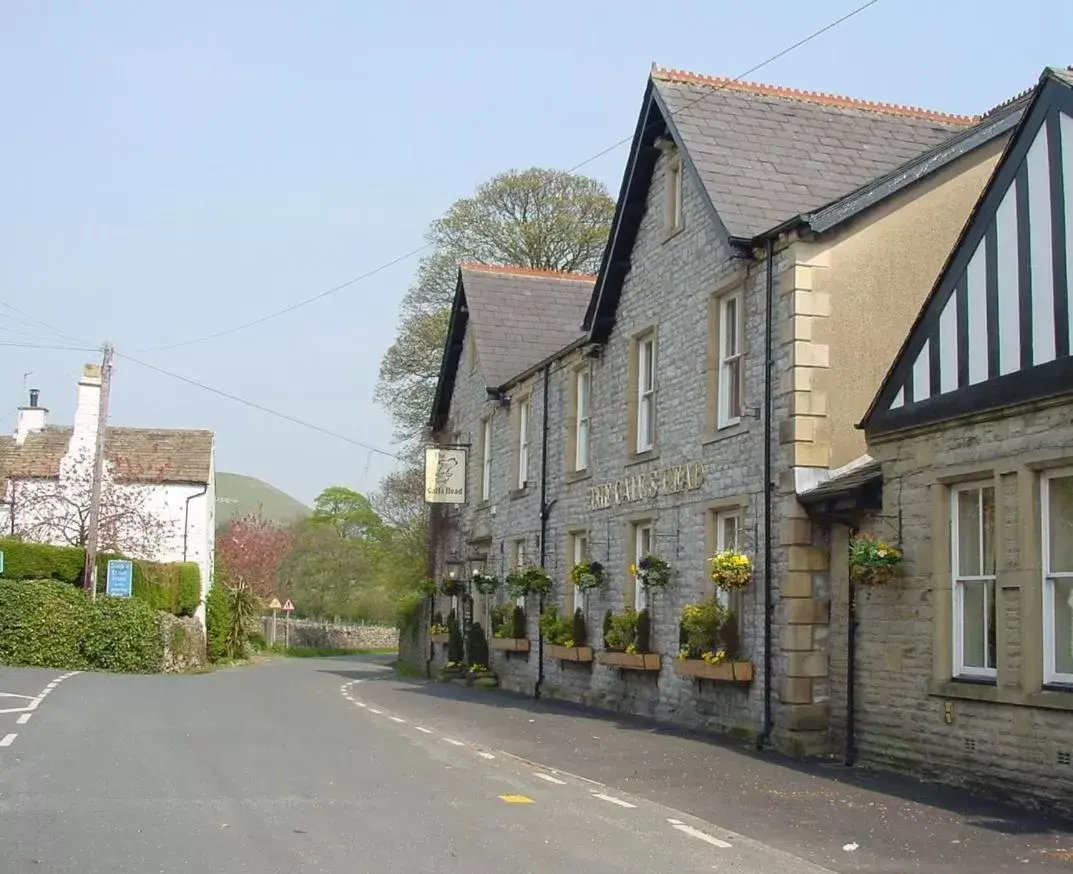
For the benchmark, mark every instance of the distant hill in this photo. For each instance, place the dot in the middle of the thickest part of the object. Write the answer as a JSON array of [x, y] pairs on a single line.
[[238, 495]]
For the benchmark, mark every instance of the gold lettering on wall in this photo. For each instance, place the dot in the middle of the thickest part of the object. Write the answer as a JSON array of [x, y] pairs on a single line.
[[647, 486]]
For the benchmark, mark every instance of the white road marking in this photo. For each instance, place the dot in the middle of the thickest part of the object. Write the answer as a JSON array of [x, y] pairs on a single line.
[[361, 704], [374, 710], [456, 743], [396, 719], [7, 740], [485, 755], [612, 799], [424, 730], [551, 779], [697, 833], [22, 720]]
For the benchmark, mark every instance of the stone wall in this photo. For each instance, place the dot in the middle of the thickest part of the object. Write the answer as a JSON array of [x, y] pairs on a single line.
[[184, 644], [308, 633], [1010, 736]]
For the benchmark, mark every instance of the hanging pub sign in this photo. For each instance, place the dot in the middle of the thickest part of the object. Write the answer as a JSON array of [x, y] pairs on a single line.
[[445, 475]]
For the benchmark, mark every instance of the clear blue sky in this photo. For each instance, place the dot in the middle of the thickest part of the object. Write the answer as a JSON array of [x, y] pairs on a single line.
[[168, 169]]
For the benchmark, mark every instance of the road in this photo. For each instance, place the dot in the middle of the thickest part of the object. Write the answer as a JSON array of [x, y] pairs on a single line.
[[334, 765]]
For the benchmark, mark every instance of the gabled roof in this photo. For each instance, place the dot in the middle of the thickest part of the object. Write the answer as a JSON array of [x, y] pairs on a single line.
[[138, 454], [995, 329], [763, 154], [519, 317]]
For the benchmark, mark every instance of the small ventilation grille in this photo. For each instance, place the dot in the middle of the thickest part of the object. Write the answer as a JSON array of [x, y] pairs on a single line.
[[970, 744], [1065, 757]]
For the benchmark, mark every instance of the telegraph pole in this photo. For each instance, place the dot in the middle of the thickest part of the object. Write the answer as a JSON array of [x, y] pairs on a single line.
[[90, 577]]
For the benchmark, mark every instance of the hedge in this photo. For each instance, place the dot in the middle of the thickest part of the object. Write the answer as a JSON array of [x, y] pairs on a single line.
[[173, 588], [50, 624]]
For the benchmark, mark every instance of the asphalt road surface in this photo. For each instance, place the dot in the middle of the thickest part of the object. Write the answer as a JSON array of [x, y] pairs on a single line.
[[335, 765]]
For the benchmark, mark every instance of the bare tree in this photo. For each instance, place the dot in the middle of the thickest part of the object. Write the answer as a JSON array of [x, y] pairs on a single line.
[[57, 510]]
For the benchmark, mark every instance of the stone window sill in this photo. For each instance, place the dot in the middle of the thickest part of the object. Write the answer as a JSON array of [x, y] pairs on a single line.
[[642, 457], [726, 433], [519, 493], [576, 476], [1047, 699]]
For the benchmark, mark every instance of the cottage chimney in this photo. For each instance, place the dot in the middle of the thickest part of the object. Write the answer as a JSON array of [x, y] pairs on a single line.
[[89, 401], [31, 418]]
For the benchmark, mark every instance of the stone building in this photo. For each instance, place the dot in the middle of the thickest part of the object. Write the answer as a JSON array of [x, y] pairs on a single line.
[[963, 664], [770, 247]]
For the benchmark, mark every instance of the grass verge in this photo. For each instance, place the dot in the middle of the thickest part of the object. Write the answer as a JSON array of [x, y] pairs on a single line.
[[320, 652]]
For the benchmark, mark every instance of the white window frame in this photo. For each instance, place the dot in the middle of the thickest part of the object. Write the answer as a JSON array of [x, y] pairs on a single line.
[[581, 552], [721, 518], [519, 561], [523, 443], [1051, 676], [642, 532], [583, 388], [646, 392], [730, 361], [486, 462], [674, 195], [958, 582]]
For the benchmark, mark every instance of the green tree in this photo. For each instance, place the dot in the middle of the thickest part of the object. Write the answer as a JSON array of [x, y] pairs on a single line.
[[531, 218], [347, 511]]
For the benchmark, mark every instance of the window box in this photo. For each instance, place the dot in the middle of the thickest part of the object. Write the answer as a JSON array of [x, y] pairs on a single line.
[[630, 661], [727, 672], [509, 644], [569, 653]]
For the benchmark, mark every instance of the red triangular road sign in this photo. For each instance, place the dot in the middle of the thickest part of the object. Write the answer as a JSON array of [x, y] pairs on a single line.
[[274, 604], [288, 607]]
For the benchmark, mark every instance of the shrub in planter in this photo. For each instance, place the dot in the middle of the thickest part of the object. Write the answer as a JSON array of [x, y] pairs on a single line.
[[478, 646], [643, 641], [709, 631], [518, 623], [557, 630], [580, 633], [456, 650], [621, 633], [609, 624], [502, 620]]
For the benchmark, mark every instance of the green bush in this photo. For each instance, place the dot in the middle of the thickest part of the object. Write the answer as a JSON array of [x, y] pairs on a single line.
[[42, 624], [171, 588], [580, 631], [518, 623], [38, 561], [50, 624], [456, 650], [408, 609], [124, 635], [217, 622]]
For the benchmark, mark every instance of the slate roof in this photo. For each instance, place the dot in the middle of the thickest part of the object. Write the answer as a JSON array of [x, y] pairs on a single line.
[[766, 153], [843, 480], [139, 454], [521, 317]]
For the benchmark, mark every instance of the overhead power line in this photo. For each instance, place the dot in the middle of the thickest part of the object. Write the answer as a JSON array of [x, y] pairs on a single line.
[[406, 256], [89, 347]]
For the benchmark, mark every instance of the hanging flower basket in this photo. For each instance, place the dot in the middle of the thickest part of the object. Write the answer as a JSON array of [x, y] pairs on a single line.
[[485, 583], [873, 562], [452, 588], [587, 575], [652, 572], [528, 580], [730, 570]]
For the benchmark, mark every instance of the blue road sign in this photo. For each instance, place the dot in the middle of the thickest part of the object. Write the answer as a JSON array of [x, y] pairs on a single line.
[[1, 562], [120, 578]]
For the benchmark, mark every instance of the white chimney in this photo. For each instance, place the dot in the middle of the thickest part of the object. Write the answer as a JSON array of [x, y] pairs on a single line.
[[89, 403], [31, 418]]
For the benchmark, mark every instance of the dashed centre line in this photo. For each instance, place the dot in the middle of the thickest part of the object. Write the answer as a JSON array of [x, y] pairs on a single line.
[[676, 824], [697, 833], [613, 800], [22, 720], [7, 740]]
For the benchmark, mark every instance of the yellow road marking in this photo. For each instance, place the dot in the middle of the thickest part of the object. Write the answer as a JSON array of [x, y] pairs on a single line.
[[516, 799]]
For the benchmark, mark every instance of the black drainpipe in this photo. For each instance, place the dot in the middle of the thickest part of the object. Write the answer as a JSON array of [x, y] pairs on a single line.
[[545, 511], [769, 328], [851, 663], [186, 517]]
